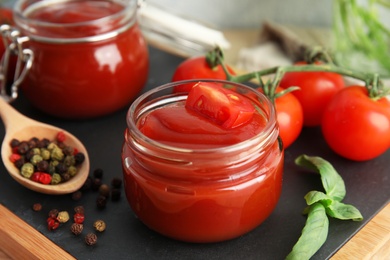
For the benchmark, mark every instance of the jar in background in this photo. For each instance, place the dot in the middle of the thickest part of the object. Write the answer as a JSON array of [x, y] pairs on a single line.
[[201, 194], [90, 58]]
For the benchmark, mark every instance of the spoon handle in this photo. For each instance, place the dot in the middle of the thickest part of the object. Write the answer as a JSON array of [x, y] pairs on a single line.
[[11, 117]]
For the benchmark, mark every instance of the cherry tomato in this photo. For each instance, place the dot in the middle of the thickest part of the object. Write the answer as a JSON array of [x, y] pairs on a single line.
[[317, 89], [197, 68], [289, 115], [355, 126], [225, 107]]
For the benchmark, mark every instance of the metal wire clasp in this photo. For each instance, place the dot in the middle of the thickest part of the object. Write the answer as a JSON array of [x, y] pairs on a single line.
[[13, 42]]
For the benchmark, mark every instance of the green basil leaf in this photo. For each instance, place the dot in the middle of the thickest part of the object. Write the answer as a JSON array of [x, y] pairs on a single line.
[[318, 196], [313, 235], [343, 211], [333, 183]]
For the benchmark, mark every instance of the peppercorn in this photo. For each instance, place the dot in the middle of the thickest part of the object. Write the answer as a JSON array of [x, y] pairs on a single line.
[[44, 142], [53, 213], [99, 225], [32, 143], [79, 158], [98, 173], [19, 163], [56, 178], [116, 182], [57, 154], [23, 147], [115, 194], [68, 150], [77, 228], [37, 207], [77, 195], [14, 143], [65, 176], [52, 223], [45, 153], [61, 137], [79, 209], [61, 168], [79, 218], [96, 182], [27, 170], [72, 171], [45, 178], [35, 176], [35, 159], [90, 239], [42, 166], [104, 190], [101, 202], [63, 216]]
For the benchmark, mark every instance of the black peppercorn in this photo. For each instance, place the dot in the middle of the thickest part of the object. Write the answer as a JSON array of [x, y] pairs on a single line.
[[96, 182], [116, 182], [90, 239], [23, 147], [53, 213], [37, 207], [98, 173], [79, 158], [42, 166], [61, 168], [101, 202], [76, 228], [14, 143], [115, 194], [19, 163], [79, 209]]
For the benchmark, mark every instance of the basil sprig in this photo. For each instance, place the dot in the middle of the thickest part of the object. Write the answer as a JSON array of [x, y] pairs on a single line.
[[320, 206]]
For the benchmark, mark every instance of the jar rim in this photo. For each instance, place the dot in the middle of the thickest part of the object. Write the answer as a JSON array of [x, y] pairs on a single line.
[[262, 136], [128, 14]]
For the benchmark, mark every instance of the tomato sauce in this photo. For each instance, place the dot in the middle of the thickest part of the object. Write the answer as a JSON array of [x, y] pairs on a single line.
[[90, 58], [196, 181]]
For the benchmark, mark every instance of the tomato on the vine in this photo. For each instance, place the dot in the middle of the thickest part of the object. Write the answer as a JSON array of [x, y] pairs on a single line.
[[224, 106], [355, 126], [197, 68], [289, 115], [317, 89]]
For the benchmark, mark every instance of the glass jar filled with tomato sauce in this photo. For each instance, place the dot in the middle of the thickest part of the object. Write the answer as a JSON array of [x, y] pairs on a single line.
[[205, 165], [89, 57]]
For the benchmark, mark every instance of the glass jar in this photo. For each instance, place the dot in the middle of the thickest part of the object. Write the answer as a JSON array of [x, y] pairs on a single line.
[[90, 58], [201, 194]]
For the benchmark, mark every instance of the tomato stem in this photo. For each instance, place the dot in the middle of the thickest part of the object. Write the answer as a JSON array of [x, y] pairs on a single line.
[[372, 81]]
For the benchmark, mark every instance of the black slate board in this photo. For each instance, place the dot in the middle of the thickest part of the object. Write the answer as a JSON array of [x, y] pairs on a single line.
[[368, 188]]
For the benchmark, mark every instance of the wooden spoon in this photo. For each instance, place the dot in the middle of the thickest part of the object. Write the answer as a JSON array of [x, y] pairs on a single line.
[[23, 128]]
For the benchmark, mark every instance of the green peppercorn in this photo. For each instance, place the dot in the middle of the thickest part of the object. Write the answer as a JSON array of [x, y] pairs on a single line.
[[45, 153], [51, 146], [72, 171], [36, 159], [56, 178], [57, 154], [68, 150], [27, 170], [69, 160]]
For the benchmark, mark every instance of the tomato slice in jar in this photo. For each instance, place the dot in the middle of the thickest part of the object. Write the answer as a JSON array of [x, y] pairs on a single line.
[[223, 106]]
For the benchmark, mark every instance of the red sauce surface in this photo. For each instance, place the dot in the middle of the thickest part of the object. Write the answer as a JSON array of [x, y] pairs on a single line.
[[208, 200], [175, 125], [82, 80]]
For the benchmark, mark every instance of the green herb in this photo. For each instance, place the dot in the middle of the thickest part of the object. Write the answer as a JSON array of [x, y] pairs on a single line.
[[361, 38], [320, 206]]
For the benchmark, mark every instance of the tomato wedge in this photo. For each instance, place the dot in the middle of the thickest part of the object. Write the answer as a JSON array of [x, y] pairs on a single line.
[[225, 107]]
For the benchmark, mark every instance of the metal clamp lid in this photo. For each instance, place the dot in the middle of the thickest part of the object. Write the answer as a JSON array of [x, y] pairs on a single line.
[[13, 42]]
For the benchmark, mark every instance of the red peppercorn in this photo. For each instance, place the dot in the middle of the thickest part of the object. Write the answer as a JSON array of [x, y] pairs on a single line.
[[61, 137], [45, 178], [52, 223], [78, 218], [14, 157], [36, 176]]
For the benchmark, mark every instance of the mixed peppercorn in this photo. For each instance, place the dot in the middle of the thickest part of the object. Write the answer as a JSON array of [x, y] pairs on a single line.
[[46, 161], [94, 182]]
